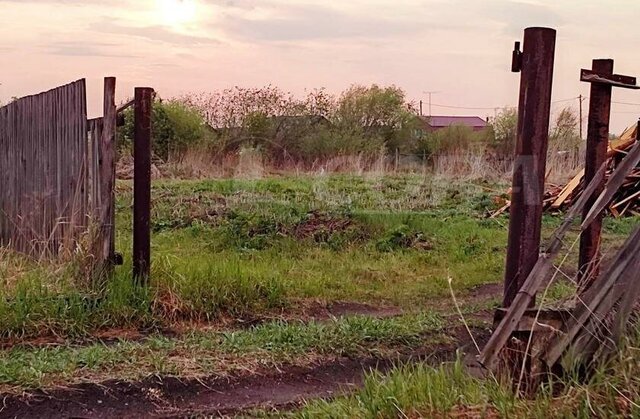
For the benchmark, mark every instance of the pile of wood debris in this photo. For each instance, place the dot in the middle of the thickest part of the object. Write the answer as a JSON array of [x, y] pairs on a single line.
[[625, 202], [596, 325]]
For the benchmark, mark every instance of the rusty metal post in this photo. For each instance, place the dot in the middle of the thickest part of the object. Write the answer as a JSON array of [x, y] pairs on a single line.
[[534, 107], [142, 184], [597, 143]]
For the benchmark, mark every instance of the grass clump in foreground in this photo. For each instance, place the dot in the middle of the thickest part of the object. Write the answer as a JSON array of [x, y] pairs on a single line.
[[613, 390], [37, 307], [203, 353]]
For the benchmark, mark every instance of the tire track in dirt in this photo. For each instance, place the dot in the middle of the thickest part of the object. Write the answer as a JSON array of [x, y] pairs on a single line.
[[173, 397]]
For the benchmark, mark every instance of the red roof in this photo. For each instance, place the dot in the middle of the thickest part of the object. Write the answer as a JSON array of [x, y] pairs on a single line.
[[445, 121]]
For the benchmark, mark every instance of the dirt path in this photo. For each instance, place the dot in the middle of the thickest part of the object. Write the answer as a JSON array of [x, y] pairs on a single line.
[[172, 397]]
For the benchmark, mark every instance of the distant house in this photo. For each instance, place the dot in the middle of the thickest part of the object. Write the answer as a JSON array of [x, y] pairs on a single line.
[[434, 123]]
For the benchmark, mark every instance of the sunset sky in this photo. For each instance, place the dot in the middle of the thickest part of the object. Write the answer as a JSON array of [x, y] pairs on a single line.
[[460, 48]]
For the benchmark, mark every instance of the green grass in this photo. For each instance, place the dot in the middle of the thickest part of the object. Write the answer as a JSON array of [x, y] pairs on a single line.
[[202, 353], [418, 390], [244, 248], [251, 249]]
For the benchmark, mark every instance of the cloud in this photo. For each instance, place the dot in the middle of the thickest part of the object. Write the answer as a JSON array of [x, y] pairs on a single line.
[[313, 22], [70, 2], [156, 33], [517, 15], [80, 49]]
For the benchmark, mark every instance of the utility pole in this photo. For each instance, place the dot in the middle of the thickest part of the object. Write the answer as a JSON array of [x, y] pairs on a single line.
[[430, 93], [420, 108]]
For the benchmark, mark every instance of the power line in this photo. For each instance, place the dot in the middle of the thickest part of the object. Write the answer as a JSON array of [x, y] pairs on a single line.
[[485, 108], [565, 100], [626, 103], [465, 107], [489, 108], [618, 103]]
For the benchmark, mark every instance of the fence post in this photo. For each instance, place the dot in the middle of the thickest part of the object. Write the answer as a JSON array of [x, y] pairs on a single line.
[[107, 156], [597, 143], [536, 66], [142, 184]]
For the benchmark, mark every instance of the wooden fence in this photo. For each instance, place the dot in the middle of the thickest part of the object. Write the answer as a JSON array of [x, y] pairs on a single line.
[[52, 182]]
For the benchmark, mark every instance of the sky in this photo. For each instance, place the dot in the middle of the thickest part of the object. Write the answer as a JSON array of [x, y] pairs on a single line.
[[459, 49]]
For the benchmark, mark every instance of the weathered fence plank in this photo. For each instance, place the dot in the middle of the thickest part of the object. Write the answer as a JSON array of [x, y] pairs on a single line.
[[107, 157], [45, 170], [597, 302]]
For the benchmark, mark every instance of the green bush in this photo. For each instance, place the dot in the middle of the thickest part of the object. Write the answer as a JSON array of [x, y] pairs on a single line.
[[452, 140], [175, 127]]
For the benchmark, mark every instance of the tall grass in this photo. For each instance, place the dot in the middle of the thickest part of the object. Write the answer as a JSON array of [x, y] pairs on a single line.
[[612, 390], [462, 164], [42, 304]]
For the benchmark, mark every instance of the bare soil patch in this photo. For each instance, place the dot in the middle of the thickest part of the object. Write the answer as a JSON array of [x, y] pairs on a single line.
[[174, 397]]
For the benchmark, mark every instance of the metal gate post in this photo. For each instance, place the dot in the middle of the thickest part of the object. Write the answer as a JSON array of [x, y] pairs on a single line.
[[597, 143], [142, 184], [536, 66]]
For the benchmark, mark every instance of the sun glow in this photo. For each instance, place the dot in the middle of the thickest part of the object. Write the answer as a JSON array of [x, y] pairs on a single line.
[[177, 12]]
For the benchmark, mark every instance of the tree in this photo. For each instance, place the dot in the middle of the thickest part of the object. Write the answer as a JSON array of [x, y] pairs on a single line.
[[253, 117], [565, 133], [377, 112], [175, 127], [505, 126]]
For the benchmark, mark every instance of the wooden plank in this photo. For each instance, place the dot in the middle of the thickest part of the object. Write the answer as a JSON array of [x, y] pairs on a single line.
[[568, 190], [520, 304], [626, 140], [42, 201], [627, 199], [591, 301], [600, 335], [615, 180], [107, 171], [501, 210], [630, 295]]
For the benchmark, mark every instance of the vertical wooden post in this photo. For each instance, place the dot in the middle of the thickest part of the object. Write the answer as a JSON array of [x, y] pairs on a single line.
[[107, 164], [142, 184], [597, 143], [536, 66]]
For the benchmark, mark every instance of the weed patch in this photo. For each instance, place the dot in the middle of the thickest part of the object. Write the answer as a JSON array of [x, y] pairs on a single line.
[[403, 237]]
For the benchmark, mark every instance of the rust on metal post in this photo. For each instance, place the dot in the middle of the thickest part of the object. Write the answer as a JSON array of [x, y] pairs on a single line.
[[142, 184], [604, 77], [534, 107], [597, 142]]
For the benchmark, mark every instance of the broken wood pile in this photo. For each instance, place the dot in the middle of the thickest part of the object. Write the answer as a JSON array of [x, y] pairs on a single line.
[[626, 201], [597, 322]]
